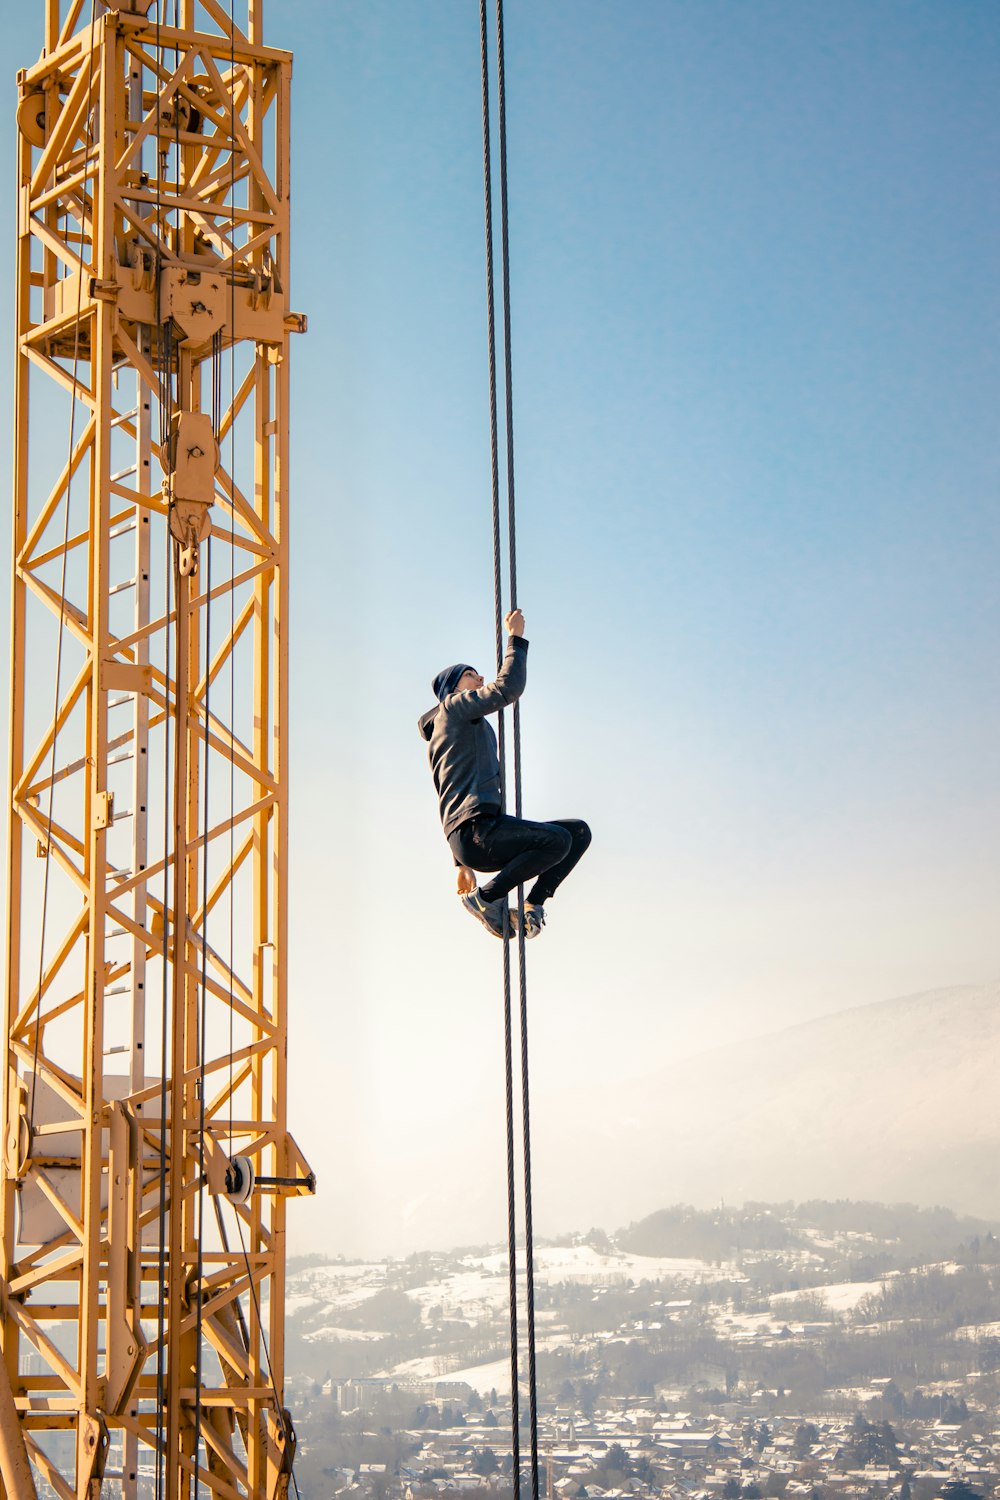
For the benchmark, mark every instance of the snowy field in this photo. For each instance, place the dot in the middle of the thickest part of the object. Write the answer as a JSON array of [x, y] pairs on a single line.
[[334, 1285], [470, 1294], [482, 1378], [973, 1332], [494, 1376], [582, 1263], [842, 1298], [329, 1333], [745, 1325]]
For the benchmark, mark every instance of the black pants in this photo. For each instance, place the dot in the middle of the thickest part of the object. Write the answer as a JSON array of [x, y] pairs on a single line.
[[520, 850]]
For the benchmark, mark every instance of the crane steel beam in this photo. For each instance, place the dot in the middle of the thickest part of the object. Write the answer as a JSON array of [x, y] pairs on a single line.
[[146, 1158]]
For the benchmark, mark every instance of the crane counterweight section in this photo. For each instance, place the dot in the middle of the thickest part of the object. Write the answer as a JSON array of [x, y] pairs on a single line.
[[146, 994]]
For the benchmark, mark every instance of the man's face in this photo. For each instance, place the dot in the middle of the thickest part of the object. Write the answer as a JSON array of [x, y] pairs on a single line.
[[469, 680]]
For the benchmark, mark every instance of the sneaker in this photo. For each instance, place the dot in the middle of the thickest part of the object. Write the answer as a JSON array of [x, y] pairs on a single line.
[[490, 913], [534, 921]]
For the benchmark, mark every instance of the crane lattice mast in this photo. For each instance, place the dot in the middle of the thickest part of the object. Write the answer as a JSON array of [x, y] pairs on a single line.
[[146, 1159]]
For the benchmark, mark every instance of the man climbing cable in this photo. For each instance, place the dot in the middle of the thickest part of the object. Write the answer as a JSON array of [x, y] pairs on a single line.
[[463, 756]]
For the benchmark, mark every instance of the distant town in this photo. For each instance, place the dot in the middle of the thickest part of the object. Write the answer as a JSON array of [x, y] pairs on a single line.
[[817, 1350]]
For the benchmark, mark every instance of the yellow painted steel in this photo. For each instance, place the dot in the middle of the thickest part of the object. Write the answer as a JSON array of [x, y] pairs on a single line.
[[146, 1159]]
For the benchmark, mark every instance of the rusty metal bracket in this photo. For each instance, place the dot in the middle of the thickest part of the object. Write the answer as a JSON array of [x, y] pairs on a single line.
[[281, 1447], [91, 1455]]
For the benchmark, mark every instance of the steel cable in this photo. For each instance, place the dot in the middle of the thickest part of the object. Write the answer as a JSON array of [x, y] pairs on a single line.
[[165, 414], [497, 572], [203, 1018], [512, 556], [498, 613]]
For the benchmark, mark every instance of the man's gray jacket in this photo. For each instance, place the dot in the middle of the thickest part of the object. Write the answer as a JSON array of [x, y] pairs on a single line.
[[463, 748]]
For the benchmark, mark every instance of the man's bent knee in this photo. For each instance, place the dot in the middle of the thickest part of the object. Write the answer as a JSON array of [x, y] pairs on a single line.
[[560, 841], [579, 833]]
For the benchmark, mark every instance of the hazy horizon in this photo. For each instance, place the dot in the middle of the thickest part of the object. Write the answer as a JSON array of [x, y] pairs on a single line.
[[891, 1102]]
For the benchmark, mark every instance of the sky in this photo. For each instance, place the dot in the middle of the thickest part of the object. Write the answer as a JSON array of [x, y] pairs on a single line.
[[754, 256]]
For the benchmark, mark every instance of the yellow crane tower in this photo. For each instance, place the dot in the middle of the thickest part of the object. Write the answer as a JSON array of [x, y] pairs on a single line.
[[146, 1159]]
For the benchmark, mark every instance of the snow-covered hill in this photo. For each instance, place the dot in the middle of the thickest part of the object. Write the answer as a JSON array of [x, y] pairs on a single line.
[[340, 1303]]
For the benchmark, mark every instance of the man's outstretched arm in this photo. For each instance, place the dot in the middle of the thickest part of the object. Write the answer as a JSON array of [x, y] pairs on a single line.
[[510, 679]]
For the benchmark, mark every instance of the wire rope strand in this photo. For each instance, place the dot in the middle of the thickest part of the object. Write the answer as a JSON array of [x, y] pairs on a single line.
[[203, 1017], [529, 1256], [518, 805], [161, 1216], [179, 792], [164, 1033], [508, 1037], [492, 354], [529, 1247], [491, 344], [232, 576], [279, 1413], [498, 613], [505, 271], [165, 414]]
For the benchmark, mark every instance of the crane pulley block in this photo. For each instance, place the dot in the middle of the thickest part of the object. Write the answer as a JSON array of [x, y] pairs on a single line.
[[31, 115], [190, 456], [195, 300], [17, 1140]]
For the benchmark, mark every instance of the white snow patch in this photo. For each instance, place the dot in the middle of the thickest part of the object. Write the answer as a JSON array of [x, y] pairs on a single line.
[[300, 1303], [431, 1367], [468, 1294], [843, 1297], [482, 1378], [336, 1285], [973, 1332], [746, 1324], [582, 1263], [329, 1333]]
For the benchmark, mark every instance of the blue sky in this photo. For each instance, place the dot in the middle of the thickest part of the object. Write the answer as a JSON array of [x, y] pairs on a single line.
[[754, 284]]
